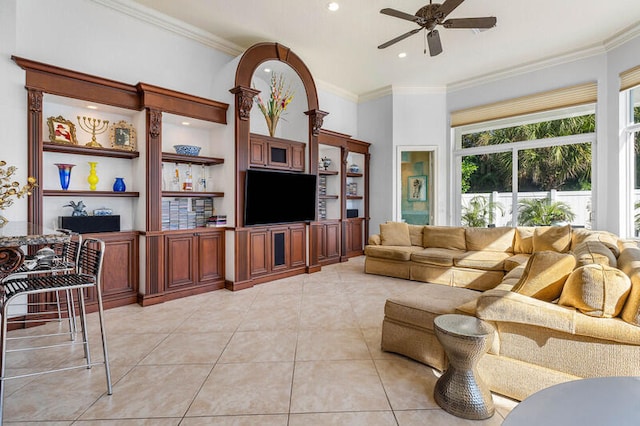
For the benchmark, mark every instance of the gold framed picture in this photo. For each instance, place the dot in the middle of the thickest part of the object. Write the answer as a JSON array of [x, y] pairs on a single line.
[[61, 130], [123, 136]]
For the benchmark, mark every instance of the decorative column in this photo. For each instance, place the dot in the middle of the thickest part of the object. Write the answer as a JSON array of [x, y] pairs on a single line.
[[34, 137]]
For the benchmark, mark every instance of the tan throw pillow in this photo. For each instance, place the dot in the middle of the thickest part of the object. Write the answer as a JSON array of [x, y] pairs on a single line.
[[448, 237], [553, 238], [544, 275], [610, 240], [523, 242], [395, 234], [415, 233], [589, 252], [596, 290]]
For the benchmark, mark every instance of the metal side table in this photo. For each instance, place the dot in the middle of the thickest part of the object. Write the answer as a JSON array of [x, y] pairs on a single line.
[[460, 391]]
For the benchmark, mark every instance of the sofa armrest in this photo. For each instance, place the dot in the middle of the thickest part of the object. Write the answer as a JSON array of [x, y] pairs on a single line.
[[507, 306], [375, 240]]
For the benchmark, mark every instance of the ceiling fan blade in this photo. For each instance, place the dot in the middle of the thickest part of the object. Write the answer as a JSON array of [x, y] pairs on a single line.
[[397, 14], [448, 6], [435, 46], [488, 22], [397, 39]]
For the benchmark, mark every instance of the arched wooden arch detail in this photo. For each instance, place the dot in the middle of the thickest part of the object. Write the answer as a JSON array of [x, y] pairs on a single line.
[[244, 93]]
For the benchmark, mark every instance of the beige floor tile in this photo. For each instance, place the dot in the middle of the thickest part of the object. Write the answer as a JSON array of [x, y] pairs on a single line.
[[126, 349], [189, 348], [255, 420], [130, 422], [369, 310], [240, 389], [373, 338], [205, 321], [378, 418], [438, 417], [286, 318], [150, 392], [408, 384], [329, 386], [318, 345], [260, 346], [275, 302]]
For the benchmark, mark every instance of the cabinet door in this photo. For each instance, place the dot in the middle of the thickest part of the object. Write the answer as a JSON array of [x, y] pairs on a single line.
[[297, 157], [298, 244], [257, 153], [210, 257], [280, 249], [179, 261], [319, 232], [279, 155], [259, 250], [354, 237], [332, 240]]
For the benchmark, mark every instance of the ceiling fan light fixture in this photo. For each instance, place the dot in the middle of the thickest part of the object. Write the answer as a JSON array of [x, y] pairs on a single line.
[[333, 6], [402, 55], [267, 70]]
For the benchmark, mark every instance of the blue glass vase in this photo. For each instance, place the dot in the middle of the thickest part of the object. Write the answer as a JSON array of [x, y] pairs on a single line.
[[118, 185], [64, 171]]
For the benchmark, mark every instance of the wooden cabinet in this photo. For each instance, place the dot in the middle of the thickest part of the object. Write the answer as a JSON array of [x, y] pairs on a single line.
[[277, 249], [194, 260], [327, 237], [354, 237], [275, 153]]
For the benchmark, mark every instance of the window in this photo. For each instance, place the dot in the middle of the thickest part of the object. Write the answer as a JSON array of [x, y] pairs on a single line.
[[527, 170], [631, 133]]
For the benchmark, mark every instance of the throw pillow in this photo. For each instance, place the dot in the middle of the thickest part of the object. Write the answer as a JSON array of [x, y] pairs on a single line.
[[524, 240], [395, 234], [490, 239], [544, 275], [589, 252], [596, 290], [447, 237], [554, 238], [610, 240], [415, 233]]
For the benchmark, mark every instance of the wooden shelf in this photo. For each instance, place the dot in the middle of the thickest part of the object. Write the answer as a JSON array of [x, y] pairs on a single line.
[[61, 193], [328, 197], [350, 174], [89, 151], [354, 197], [191, 194], [190, 159], [327, 172]]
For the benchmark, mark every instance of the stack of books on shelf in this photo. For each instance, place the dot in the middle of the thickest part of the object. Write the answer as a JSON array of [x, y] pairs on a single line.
[[217, 220], [322, 185], [179, 213], [322, 209], [203, 208], [352, 188]]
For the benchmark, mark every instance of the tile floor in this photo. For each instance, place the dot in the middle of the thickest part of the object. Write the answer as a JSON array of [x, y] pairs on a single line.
[[298, 351]]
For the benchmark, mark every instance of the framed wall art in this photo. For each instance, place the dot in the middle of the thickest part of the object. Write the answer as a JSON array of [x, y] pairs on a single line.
[[61, 130], [123, 136], [417, 189]]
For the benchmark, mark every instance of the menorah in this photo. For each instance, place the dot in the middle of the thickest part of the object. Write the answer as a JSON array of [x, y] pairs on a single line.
[[93, 126]]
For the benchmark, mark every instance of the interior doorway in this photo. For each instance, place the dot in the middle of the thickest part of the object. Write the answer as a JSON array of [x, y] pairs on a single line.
[[415, 195]]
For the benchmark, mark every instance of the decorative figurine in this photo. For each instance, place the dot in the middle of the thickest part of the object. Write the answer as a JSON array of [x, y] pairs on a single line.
[[326, 162], [78, 208]]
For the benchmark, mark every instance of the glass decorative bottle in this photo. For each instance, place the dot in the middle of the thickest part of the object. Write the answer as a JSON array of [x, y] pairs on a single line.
[[119, 185], [93, 177], [64, 171], [187, 185]]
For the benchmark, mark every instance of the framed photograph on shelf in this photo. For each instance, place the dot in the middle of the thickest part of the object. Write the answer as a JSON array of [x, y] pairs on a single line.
[[61, 130], [417, 188], [123, 136]]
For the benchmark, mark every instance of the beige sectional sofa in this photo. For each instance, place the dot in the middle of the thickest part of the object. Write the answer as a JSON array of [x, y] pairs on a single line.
[[565, 303]]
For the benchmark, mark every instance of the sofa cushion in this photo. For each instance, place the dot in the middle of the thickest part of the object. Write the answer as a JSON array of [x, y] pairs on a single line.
[[375, 240], [415, 234], [447, 237], [629, 263], [420, 306], [523, 241], [596, 290], [485, 260], [589, 252], [545, 274], [391, 252], [395, 234], [553, 238], [516, 260], [610, 240], [437, 256], [490, 239]]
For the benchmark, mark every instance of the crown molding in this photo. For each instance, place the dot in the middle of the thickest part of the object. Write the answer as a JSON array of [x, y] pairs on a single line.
[[408, 90], [176, 26], [338, 91], [622, 37], [375, 94]]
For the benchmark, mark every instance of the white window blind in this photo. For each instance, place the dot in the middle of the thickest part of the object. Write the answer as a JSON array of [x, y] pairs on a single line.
[[539, 102]]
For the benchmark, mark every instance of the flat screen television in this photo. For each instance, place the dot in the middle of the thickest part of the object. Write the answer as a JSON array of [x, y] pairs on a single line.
[[278, 197]]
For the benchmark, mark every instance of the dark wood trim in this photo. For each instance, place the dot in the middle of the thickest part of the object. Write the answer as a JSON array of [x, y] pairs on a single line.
[[71, 193], [179, 103], [190, 159], [84, 150]]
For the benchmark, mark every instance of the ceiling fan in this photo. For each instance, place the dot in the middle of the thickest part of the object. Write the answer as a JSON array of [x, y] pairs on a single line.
[[434, 14]]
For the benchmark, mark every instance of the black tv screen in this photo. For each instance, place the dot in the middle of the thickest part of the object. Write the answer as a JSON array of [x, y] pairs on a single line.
[[279, 197]]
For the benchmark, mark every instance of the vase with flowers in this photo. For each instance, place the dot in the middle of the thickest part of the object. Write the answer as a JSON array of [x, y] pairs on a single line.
[[279, 99], [10, 188]]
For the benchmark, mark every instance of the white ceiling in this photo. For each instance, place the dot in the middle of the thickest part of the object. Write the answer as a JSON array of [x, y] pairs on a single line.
[[340, 48]]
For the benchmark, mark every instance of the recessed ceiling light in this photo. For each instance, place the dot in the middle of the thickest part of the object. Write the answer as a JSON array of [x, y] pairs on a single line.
[[333, 6], [92, 107], [186, 123], [267, 70], [402, 55]]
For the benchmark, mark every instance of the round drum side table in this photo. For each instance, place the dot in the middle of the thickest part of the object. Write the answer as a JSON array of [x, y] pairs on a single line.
[[460, 391]]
